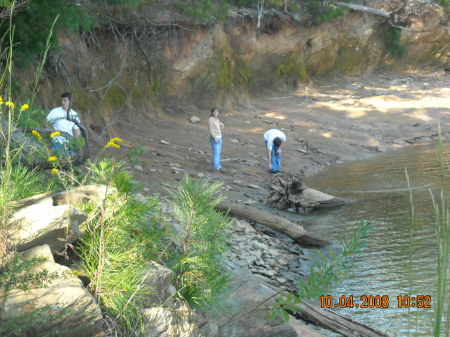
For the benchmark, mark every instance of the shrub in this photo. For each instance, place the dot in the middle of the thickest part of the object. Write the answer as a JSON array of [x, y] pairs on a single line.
[[200, 275]]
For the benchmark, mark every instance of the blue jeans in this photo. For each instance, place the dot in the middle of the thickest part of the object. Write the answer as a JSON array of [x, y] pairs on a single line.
[[216, 148], [275, 159], [61, 149]]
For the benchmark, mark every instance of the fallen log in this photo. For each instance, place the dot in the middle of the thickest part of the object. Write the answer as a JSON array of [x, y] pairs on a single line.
[[337, 323], [365, 9], [275, 222]]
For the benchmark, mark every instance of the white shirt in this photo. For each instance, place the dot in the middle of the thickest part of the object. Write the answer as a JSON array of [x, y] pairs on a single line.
[[270, 135], [58, 118]]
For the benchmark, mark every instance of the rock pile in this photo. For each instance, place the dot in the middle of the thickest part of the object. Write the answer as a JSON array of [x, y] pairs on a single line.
[[275, 260]]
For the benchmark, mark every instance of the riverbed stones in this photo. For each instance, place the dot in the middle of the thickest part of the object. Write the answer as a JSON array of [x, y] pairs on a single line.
[[43, 223], [157, 281], [272, 258], [177, 320]]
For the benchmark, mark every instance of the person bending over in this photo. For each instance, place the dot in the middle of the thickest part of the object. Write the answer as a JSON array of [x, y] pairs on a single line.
[[274, 139]]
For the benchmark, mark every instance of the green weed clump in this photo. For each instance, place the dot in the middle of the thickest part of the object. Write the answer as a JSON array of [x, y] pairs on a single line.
[[198, 261]]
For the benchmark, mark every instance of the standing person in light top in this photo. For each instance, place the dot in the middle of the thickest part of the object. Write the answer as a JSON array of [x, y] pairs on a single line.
[[274, 139], [58, 118], [215, 128]]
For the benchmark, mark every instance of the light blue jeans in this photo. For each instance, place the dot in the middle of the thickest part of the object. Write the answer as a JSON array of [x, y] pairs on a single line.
[[216, 148], [61, 150], [275, 159]]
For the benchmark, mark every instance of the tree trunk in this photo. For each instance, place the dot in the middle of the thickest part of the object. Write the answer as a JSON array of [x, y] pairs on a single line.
[[337, 323], [275, 222], [365, 9]]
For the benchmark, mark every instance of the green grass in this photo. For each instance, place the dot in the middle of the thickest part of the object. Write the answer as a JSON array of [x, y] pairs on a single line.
[[22, 182]]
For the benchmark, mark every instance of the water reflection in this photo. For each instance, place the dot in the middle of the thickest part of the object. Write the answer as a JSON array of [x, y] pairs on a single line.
[[380, 188]]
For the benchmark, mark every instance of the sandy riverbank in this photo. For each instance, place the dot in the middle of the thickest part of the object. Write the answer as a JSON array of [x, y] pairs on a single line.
[[326, 122]]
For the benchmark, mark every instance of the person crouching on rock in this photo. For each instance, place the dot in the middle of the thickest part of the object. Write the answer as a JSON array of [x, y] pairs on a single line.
[[215, 131], [58, 118], [274, 139]]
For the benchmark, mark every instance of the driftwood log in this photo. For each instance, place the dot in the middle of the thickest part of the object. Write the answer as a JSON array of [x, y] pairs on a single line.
[[294, 194], [275, 222], [337, 323]]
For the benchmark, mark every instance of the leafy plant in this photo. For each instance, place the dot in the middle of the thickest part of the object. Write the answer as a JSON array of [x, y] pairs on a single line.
[[200, 275]]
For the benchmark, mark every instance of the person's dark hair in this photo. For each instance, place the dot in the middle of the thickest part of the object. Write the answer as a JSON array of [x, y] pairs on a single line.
[[277, 141], [212, 110], [66, 95]]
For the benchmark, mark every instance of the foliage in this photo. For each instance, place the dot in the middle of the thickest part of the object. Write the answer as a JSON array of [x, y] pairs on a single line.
[[203, 11], [391, 37], [224, 74], [444, 3], [293, 68], [324, 274], [244, 72], [109, 172], [16, 273], [134, 156], [32, 118], [200, 275], [31, 39], [73, 16], [324, 13]]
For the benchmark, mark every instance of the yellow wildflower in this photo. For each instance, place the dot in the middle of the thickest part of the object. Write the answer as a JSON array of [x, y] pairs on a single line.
[[112, 144], [54, 134], [1, 100], [116, 139], [11, 104], [37, 134], [53, 158], [54, 171], [24, 107]]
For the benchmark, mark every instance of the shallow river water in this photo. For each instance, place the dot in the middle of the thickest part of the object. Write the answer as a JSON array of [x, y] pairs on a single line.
[[380, 189]]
